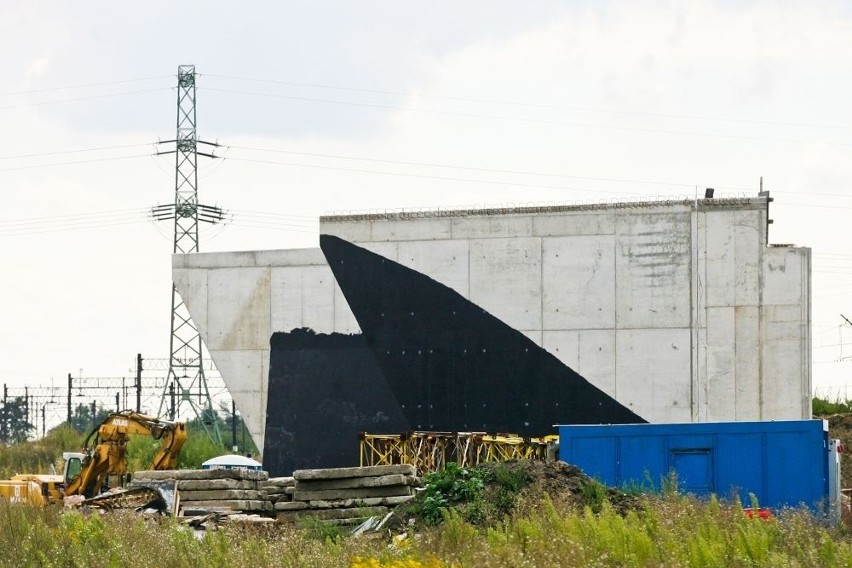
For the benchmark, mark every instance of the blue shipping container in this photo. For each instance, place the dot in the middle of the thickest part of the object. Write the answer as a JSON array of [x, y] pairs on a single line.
[[784, 463]]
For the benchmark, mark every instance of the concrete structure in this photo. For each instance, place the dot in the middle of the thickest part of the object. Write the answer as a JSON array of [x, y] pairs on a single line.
[[679, 310]]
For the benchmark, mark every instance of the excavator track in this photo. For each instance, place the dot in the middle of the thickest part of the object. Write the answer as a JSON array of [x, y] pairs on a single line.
[[135, 498]]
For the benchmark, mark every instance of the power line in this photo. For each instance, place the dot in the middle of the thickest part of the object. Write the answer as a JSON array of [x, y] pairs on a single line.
[[76, 151], [531, 104], [83, 86], [72, 216], [87, 98], [480, 181], [526, 119], [424, 176], [467, 168], [55, 164], [36, 231], [292, 218]]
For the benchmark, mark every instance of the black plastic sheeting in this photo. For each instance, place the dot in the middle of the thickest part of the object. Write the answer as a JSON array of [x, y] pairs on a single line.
[[323, 390], [427, 359]]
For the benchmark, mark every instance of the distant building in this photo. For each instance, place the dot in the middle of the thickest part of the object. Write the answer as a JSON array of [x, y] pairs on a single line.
[[675, 311]]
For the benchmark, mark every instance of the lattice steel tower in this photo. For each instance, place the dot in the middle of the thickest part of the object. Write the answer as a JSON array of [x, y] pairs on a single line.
[[186, 385]]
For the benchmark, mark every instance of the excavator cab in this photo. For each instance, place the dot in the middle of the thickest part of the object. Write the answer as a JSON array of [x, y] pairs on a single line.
[[73, 465]]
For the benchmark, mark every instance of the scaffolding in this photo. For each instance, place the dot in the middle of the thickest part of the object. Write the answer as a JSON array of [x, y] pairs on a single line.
[[431, 451]]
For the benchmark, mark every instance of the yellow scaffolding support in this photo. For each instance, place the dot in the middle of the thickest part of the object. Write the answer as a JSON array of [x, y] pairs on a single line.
[[431, 451]]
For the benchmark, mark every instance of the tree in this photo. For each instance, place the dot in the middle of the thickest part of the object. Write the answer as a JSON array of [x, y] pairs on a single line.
[[82, 419], [14, 426]]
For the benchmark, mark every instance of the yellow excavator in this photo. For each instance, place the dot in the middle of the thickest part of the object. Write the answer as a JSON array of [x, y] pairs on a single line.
[[103, 463]]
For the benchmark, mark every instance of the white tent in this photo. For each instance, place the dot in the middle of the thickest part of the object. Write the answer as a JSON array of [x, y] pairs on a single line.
[[231, 461]]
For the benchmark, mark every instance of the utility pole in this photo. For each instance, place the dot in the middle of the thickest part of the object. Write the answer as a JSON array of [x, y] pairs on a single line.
[[186, 365], [233, 426], [69, 399], [138, 382], [4, 424]]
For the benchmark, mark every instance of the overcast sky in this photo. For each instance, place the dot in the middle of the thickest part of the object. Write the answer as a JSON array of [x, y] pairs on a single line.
[[324, 107]]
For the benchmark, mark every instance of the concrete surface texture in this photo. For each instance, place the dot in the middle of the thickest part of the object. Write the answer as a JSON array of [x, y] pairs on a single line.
[[679, 310]]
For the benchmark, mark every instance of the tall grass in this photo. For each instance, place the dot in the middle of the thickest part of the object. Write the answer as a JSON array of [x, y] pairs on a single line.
[[37, 456], [674, 531]]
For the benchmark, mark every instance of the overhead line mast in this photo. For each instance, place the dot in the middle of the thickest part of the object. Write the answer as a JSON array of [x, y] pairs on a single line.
[[186, 384]]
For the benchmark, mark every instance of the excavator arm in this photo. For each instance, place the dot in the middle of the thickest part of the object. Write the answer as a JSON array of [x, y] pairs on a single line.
[[106, 450]]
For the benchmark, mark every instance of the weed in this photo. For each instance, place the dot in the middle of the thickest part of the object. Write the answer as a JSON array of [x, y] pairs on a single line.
[[451, 486], [318, 530], [594, 495]]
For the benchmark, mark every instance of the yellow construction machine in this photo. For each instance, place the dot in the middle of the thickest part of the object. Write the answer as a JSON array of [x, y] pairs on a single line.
[[31, 488], [103, 463]]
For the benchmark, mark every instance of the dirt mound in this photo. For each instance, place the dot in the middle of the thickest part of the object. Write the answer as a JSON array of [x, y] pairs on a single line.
[[485, 494], [567, 484]]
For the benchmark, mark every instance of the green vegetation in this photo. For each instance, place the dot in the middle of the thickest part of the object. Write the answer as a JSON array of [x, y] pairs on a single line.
[[481, 495], [670, 531], [37, 456], [826, 407]]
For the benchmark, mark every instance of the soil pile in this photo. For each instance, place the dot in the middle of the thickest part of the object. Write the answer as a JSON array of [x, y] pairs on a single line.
[[485, 494]]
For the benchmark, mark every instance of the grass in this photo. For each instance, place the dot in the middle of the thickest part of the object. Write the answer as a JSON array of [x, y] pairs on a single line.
[[668, 531], [827, 406]]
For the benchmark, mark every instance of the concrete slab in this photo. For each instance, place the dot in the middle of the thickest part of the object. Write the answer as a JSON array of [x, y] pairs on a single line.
[[444, 261], [241, 318], [747, 362], [199, 474], [352, 231], [650, 367], [596, 349], [218, 494], [492, 226], [784, 271], [777, 396], [721, 369], [748, 225], [508, 268], [720, 254], [652, 269], [246, 376], [215, 484], [411, 230], [591, 223], [352, 493], [578, 282], [564, 345], [355, 482], [350, 472]]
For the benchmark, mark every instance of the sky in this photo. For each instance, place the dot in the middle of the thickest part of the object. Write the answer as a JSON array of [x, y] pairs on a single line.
[[333, 106]]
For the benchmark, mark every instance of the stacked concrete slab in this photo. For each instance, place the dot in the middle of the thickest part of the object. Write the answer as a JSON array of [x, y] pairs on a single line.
[[278, 489], [213, 489], [346, 496]]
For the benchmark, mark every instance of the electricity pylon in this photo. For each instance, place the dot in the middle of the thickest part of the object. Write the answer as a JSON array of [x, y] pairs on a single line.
[[186, 385]]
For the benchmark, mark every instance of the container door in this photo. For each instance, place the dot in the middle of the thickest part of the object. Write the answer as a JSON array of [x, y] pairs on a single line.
[[694, 468]]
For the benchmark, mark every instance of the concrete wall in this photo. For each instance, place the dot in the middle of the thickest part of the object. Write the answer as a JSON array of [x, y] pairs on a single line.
[[679, 310]]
